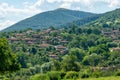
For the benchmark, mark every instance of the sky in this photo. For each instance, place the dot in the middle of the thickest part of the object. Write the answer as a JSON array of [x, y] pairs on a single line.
[[13, 11]]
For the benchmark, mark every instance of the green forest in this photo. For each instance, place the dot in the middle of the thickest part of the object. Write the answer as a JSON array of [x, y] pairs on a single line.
[[62, 45], [69, 53]]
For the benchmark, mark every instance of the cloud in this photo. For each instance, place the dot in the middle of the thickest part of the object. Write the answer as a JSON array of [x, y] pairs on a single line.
[[52, 1], [114, 3], [6, 9], [11, 14], [71, 1], [5, 24], [65, 5]]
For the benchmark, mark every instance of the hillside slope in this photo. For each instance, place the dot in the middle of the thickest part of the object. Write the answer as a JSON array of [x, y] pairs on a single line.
[[109, 19], [55, 18]]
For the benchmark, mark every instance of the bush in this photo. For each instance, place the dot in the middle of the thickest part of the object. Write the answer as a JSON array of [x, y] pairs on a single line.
[[54, 75], [62, 74], [84, 75], [71, 75], [117, 73], [40, 77], [32, 70], [107, 73], [96, 74]]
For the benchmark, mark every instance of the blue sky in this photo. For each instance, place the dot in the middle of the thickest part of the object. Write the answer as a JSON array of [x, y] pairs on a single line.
[[12, 11]]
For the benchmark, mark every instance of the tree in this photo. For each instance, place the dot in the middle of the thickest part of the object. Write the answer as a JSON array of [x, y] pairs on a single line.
[[114, 58], [78, 31], [103, 40], [99, 49], [92, 60], [8, 60], [70, 63], [56, 65], [78, 53], [89, 31], [46, 67], [105, 26], [33, 50], [96, 31], [22, 58]]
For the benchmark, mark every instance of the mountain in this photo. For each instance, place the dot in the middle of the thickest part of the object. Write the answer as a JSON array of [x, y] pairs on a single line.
[[84, 21], [109, 19], [54, 18]]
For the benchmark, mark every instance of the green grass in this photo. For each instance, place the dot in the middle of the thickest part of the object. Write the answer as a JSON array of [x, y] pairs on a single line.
[[103, 78]]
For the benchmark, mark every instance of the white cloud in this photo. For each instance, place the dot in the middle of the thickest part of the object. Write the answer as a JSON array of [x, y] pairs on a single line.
[[52, 1], [71, 1], [6, 9], [63, 1], [114, 3], [66, 5], [5, 24], [9, 12]]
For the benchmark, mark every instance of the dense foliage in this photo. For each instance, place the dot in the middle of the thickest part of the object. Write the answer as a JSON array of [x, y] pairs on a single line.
[[87, 52], [8, 60], [67, 53]]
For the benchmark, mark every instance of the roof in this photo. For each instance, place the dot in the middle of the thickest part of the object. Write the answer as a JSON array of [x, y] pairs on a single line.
[[13, 39], [44, 45], [116, 49], [60, 47]]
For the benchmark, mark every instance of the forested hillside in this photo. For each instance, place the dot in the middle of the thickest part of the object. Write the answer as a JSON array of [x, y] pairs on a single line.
[[72, 52], [108, 20], [66, 53], [54, 18]]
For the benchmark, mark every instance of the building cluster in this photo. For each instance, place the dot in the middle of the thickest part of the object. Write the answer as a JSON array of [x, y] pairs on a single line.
[[42, 39]]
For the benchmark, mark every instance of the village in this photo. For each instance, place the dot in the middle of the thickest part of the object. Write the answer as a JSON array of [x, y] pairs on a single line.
[[42, 40], [51, 39]]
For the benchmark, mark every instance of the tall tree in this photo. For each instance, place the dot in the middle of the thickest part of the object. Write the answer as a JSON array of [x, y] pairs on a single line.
[[8, 60]]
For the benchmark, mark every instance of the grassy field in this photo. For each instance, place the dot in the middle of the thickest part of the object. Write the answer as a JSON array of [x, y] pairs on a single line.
[[103, 78]]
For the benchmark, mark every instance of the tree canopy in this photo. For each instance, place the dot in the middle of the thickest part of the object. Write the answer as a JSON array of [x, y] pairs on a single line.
[[8, 61]]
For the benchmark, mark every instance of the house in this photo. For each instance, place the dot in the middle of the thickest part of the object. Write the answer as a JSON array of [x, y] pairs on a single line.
[[100, 68], [36, 36], [29, 31], [30, 42], [55, 31], [115, 49], [60, 48], [116, 41], [18, 48], [64, 42], [54, 56], [116, 32], [44, 45], [59, 38], [46, 31], [29, 39], [107, 33], [13, 39], [19, 35], [114, 37], [63, 52]]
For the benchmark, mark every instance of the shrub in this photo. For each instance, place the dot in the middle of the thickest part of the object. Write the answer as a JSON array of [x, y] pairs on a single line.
[[54, 75], [96, 74], [62, 74], [40, 77], [84, 75], [71, 75], [32, 70], [117, 73]]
